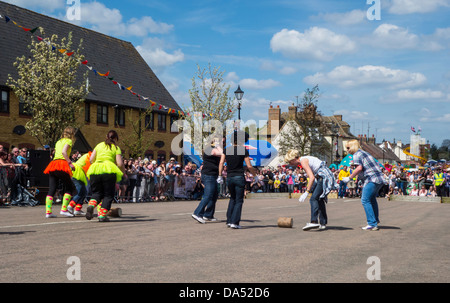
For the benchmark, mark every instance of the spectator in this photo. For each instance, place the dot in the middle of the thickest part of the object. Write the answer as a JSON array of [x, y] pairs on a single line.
[[432, 191], [414, 191], [439, 182], [342, 185], [423, 191], [276, 184]]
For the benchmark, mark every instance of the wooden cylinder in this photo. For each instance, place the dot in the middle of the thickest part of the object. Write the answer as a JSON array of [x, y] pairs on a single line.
[[285, 222], [115, 212]]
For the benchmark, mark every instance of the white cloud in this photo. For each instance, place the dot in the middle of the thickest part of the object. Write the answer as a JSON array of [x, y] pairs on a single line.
[[443, 118], [402, 7], [288, 70], [439, 40], [146, 25], [233, 80], [259, 84], [367, 76], [232, 76], [420, 94], [353, 114], [393, 36], [315, 43], [156, 57], [355, 16], [110, 21]]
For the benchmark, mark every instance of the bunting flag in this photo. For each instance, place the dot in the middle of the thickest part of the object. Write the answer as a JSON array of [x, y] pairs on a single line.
[[85, 62], [413, 129]]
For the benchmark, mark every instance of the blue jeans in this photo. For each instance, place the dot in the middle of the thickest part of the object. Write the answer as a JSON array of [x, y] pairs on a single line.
[[318, 208], [342, 189], [207, 205], [236, 186], [369, 202], [81, 191]]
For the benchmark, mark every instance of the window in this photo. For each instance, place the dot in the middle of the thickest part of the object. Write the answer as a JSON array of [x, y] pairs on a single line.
[[149, 123], [4, 106], [87, 112], [172, 120], [24, 109], [161, 122], [119, 116], [102, 114]]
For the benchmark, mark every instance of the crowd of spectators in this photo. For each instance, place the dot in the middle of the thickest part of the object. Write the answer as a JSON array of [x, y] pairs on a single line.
[[147, 180], [14, 168], [398, 181]]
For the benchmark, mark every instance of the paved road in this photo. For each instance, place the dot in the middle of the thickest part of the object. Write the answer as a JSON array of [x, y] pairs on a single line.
[[160, 242]]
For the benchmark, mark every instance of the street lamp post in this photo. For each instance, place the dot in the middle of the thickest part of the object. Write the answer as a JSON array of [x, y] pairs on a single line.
[[335, 134], [239, 94]]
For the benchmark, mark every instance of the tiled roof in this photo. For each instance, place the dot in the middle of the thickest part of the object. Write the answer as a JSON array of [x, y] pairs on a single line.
[[103, 52]]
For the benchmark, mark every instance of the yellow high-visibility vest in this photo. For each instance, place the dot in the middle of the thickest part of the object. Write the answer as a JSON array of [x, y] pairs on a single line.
[[439, 178]]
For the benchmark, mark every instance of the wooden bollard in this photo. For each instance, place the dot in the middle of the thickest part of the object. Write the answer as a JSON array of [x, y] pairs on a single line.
[[285, 222], [115, 212]]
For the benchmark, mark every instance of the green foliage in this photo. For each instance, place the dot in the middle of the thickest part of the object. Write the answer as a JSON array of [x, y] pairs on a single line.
[[47, 83], [210, 101], [306, 130]]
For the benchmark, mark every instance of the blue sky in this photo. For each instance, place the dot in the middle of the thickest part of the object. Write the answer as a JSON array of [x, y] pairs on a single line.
[[384, 76]]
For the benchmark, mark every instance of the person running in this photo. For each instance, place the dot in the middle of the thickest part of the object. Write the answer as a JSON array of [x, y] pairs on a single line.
[[235, 156], [60, 169], [320, 182], [105, 171], [373, 181], [210, 171], [80, 181]]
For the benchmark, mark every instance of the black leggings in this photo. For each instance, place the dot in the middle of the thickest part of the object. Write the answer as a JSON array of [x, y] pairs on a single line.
[[103, 188], [65, 178]]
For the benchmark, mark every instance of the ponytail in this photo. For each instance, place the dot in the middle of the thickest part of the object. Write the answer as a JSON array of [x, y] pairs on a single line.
[[111, 138]]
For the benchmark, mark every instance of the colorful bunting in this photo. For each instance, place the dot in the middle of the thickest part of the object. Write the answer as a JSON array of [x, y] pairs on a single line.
[[85, 62]]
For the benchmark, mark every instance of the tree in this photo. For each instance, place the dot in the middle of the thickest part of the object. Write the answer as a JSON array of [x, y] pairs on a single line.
[[49, 85], [209, 103], [306, 130], [444, 150], [135, 141]]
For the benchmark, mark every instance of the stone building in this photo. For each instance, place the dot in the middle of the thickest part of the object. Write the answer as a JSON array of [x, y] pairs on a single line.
[[106, 106]]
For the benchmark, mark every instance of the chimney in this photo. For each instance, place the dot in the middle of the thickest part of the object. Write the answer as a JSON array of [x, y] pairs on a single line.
[[292, 111], [371, 140], [273, 123], [338, 117]]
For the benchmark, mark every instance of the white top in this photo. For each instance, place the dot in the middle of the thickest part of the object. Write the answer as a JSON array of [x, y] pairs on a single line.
[[314, 163]]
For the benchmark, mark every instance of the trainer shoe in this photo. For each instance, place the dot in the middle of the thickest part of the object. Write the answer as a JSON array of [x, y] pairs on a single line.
[[368, 227], [66, 213], [235, 226], [50, 215], [70, 209], [89, 212], [198, 219], [309, 226], [322, 226], [210, 219], [79, 213], [103, 219]]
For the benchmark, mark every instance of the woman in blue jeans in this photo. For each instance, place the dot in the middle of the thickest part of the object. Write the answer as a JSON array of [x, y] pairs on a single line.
[[210, 171], [234, 156], [320, 182], [373, 181]]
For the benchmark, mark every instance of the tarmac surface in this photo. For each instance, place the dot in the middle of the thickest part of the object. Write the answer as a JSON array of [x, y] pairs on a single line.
[[159, 242]]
